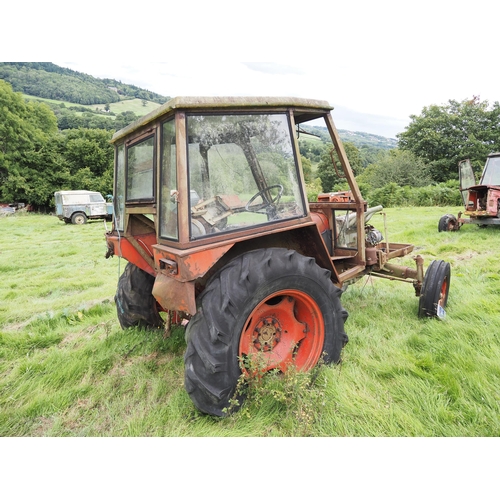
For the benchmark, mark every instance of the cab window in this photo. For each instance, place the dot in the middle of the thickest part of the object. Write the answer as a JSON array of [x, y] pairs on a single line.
[[242, 171], [140, 167]]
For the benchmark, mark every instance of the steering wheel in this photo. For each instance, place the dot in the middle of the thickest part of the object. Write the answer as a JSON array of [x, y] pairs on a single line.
[[270, 200]]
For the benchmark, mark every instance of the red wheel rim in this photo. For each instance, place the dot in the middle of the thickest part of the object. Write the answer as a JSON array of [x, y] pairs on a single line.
[[443, 293], [285, 328]]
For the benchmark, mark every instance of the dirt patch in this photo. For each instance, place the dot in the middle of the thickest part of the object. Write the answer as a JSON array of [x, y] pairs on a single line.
[[44, 425], [467, 256]]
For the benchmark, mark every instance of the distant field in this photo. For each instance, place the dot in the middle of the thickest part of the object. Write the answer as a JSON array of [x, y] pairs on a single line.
[[134, 105], [67, 369]]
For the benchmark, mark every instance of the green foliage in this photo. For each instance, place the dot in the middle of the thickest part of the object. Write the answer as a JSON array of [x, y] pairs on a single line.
[[29, 162], [311, 148], [297, 395], [306, 168], [393, 195], [88, 156], [36, 160], [330, 180], [313, 189], [444, 135], [88, 148], [69, 118], [397, 166]]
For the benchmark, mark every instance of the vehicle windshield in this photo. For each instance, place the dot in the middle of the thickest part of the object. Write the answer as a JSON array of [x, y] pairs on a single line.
[[242, 171], [491, 172]]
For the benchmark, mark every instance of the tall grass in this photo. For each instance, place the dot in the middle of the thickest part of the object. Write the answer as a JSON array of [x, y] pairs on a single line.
[[67, 369]]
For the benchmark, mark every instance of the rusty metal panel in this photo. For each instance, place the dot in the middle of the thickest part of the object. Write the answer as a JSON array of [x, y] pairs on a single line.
[[122, 247], [190, 265], [174, 295]]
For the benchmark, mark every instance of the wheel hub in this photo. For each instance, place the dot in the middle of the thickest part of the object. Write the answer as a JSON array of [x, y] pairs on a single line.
[[267, 334]]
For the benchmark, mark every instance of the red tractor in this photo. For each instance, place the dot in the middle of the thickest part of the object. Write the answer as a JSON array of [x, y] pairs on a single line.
[[211, 214], [481, 201]]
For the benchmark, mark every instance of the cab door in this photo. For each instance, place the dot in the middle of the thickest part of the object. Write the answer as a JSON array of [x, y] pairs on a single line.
[[467, 179]]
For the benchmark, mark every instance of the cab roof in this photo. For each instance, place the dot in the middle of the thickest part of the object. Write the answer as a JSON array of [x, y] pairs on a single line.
[[308, 109]]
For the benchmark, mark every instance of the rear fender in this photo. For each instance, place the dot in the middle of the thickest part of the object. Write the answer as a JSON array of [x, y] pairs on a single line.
[[137, 249], [306, 240]]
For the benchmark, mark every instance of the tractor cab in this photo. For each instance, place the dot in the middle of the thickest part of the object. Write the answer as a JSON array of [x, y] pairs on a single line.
[[481, 201]]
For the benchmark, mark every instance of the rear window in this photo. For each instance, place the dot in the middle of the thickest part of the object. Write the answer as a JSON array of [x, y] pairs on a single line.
[[75, 199], [140, 163]]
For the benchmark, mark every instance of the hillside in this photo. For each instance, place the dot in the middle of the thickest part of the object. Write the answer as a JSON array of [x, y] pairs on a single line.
[[49, 81], [359, 139]]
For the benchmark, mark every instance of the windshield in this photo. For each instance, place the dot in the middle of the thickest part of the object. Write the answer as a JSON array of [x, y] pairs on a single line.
[[491, 172], [242, 172]]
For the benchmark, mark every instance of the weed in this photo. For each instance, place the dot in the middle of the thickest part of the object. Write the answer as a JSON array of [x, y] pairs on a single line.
[[293, 393]]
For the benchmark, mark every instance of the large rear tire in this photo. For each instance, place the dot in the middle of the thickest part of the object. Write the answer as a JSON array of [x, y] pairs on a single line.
[[275, 302], [135, 303], [435, 289]]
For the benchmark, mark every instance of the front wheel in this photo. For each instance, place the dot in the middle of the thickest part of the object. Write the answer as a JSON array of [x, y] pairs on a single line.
[[274, 306], [79, 218], [435, 289]]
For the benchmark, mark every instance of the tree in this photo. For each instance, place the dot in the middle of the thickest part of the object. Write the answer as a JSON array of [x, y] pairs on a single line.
[[123, 119], [444, 135], [88, 155], [330, 179], [397, 166], [29, 161], [36, 159], [306, 168]]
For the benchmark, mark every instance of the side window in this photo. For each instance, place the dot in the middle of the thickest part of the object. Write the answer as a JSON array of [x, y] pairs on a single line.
[[140, 165], [168, 183]]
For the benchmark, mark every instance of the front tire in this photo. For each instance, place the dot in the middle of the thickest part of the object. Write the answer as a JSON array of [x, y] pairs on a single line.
[[275, 302], [435, 289], [79, 218], [135, 303]]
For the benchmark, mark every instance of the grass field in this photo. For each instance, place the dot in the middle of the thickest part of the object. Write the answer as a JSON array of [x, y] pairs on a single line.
[[67, 369]]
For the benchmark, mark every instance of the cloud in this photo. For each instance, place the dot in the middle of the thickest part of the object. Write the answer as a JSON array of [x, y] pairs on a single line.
[[354, 121], [273, 68]]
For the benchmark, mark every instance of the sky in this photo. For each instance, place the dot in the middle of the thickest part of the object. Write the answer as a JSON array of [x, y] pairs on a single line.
[[377, 63]]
